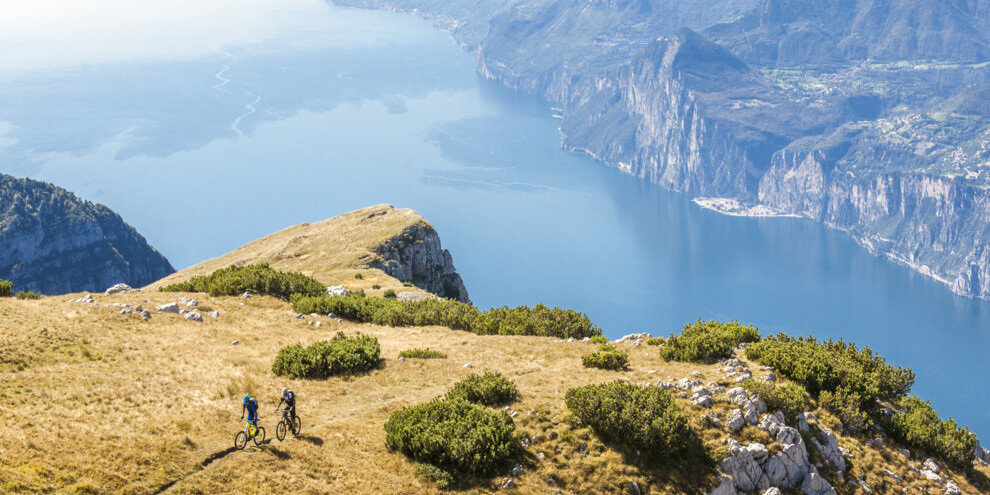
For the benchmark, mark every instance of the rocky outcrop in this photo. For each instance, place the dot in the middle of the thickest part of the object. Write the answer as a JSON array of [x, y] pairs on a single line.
[[55, 243], [416, 256]]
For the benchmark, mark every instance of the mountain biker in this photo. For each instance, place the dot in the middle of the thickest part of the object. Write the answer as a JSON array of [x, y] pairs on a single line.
[[251, 406], [290, 403]]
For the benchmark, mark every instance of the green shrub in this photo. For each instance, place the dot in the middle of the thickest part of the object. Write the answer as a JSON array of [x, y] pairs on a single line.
[[540, 320], [832, 366], [338, 356], [656, 341], [454, 436], [607, 357], [358, 276], [389, 294], [710, 340], [788, 398], [629, 417], [490, 389], [259, 279], [920, 427], [376, 286], [28, 295], [848, 407], [407, 284], [598, 339], [6, 288], [422, 354], [441, 478]]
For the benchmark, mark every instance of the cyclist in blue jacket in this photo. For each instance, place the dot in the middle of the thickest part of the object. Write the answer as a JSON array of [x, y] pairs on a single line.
[[251, 406]]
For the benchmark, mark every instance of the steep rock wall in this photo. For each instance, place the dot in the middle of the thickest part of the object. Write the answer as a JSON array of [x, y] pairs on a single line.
[[416, 256]]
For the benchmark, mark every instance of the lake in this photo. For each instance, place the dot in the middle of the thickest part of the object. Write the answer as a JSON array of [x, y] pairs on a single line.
[[208, 132]]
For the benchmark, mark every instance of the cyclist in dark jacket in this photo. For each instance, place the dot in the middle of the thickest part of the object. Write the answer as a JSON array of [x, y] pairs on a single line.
[[289, 398]]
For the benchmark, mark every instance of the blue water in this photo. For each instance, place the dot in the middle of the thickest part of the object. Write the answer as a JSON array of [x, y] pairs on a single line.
[[203, 152]]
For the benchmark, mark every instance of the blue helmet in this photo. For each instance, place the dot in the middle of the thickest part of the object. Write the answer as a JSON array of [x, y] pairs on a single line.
[[247, 398]]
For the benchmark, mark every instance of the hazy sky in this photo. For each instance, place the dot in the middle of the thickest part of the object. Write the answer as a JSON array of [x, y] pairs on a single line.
[[52, 34]]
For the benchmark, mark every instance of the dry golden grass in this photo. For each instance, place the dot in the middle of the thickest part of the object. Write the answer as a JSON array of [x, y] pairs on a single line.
[[97, 402], [333, 251]]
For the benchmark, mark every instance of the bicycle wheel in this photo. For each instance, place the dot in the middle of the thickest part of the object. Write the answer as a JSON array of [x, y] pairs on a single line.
[[240, 440], [296, 426], [260, 436], [280, 431]]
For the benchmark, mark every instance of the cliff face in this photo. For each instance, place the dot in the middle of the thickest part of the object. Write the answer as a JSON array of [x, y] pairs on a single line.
[[937, 225], [55, 243], [416, 256]]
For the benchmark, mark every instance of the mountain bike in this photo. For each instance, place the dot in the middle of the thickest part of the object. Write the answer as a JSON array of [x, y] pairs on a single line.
[[249, 431], [284, 425]]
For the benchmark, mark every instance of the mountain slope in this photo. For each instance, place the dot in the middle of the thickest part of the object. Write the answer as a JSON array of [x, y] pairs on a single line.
[[824, 32], [383, 245], [53, 242]]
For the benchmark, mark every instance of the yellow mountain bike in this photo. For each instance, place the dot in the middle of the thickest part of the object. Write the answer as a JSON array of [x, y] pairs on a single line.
[[249, 431]]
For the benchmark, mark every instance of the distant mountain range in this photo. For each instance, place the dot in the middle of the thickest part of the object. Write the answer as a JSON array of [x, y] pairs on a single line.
[[867, 115], [55, 243]]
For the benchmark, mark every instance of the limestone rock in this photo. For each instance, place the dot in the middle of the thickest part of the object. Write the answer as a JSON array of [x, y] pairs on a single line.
[[168, 308], [186, 301], [736, 421], [194, 316], [816, 485], [118, 289], [725, 487], [738, 395], [772, 491], [745, 471], [214, 314], [930, 465], [829, 449], [416, 254], [336, 291]]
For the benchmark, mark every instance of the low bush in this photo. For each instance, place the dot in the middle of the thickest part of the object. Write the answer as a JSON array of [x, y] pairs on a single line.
[[629, 418], [27, 295], [848, 407], [389, 294], [358, 276], [598, 339], [920, 427], [489, 389], [6, 288], [422, 354], [454, 436], [338, 356], [540, 320], [376, 286], [439, 477], [832, 366], [705, 341], [656, 341], [259, 279], [607, 357], [788, 398]]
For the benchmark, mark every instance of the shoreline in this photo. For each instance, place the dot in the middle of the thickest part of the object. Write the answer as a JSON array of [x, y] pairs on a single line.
[[734, 208]]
